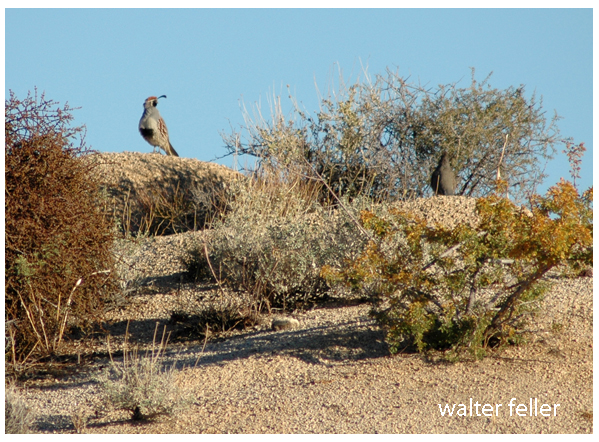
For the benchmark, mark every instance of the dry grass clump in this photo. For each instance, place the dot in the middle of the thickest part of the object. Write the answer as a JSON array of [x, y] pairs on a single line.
[[170, 209], [155, 195], [143, 385], [18, 418], [214, 317]]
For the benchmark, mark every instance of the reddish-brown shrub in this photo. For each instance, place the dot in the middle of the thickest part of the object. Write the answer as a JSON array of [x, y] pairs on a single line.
[[59, 269]]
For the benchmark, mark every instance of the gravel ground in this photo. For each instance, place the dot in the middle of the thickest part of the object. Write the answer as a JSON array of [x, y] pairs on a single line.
[[330, 374], [334, 374]]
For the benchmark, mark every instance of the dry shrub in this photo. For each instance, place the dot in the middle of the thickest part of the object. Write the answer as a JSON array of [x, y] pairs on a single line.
[[274, 240], [382, 136], [58, 261], [143, 385], [214, 317], [18, 418]]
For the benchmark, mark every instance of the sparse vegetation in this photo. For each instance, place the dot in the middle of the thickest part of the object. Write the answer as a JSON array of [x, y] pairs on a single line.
[[142, 385], [378, 141], [170, 202], [164, 210], [274, 241], [382, 137], [216, 316], [575, 152], [320, 216], [80, 419]]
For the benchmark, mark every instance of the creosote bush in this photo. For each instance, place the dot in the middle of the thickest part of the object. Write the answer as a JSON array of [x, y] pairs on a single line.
[[468, 287], [383, 136], [59, 269]]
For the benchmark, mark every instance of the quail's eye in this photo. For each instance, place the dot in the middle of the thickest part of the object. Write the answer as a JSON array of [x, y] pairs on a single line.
[[155, 103]]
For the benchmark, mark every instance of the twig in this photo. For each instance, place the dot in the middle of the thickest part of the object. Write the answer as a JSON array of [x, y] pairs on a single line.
[[448, 252], [354, 220], [210, 265], [501, 160], [66, 313], [203, 346]]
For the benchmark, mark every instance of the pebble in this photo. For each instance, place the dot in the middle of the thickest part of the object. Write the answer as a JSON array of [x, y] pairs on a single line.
[[285, 324]]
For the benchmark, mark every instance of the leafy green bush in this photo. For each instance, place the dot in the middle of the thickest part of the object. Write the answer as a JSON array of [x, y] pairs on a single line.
[[382, 138], [59, 269], [468, 287]]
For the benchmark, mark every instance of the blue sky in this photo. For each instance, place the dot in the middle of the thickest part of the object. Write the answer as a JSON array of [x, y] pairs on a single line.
[[208, 62]]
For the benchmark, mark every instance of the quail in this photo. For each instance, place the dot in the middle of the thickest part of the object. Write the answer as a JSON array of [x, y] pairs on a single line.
[[443, 180], [153, 128]]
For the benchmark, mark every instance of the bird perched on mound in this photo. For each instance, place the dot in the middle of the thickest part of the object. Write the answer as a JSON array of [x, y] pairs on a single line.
[[153, 128], [443, 180]]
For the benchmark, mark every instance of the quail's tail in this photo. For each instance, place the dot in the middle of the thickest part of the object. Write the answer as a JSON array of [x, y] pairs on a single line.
[[171, 150]]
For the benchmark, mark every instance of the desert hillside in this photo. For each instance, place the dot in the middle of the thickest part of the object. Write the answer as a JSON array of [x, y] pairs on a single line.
[[329, 372]]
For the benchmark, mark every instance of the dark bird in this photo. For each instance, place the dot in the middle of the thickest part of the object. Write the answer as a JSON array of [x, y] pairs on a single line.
[[443, 180]]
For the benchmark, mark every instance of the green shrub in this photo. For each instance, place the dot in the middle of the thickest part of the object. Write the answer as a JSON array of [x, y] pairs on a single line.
[[468, 287], [59, 269]]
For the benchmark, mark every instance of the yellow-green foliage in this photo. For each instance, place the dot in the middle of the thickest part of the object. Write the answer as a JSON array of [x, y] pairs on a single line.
[[468, 287]]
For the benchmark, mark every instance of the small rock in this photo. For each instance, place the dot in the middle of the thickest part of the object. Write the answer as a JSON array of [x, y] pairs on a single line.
[[284, 324]]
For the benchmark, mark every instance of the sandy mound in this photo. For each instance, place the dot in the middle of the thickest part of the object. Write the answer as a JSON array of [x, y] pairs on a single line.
[[130, 177]]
